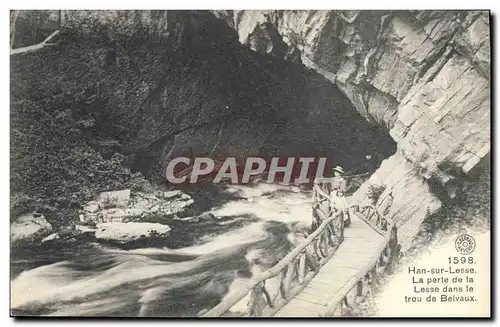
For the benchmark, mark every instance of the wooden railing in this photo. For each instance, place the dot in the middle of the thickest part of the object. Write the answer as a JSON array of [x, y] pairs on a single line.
[[293, 272], [291, 275], [372, 217], [321, 186], [322, 206], [365, 282]]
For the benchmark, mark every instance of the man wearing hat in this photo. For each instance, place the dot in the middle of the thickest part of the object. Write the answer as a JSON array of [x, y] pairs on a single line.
[[339, 186], [339, 182]]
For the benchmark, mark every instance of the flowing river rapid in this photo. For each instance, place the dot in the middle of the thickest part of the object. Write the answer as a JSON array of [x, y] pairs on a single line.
[[252, 231]]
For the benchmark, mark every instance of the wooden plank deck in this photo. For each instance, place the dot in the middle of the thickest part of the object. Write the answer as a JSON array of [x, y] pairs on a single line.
[[360, 244]]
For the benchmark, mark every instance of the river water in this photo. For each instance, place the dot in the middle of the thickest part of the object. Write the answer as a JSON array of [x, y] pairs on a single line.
[[203, 262]]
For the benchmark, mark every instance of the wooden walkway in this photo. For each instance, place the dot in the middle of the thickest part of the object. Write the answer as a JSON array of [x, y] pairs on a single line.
[[361, 242], [328, 272]]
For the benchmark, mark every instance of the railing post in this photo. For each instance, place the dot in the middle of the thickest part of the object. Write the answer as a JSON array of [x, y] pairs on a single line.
[[346, 303], [359, 288], [393, 249], [255, 305], [302, 267], [288, 278], [341, 227], [373, 279], [331, 233], [325, 243], [282, 289], [269, 300], [311, 261]]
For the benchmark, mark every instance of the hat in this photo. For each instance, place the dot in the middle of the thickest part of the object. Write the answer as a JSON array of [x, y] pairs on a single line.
[[339, 170]]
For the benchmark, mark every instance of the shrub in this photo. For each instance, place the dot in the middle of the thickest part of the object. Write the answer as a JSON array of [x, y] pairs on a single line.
[[53, 165], [374, 192]]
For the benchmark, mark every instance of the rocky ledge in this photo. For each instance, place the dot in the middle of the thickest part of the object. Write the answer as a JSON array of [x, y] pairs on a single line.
[[118, 217], [123, 206], [28, 229], [129, 232]]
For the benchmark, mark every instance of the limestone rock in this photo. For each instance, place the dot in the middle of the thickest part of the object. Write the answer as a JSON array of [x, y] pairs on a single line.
[[114, 214], [421, 75], [136, 212], [91, 207], [51, 237], [114, 199], [85, 229], [127, 232], [122, 206], [185, 196], [409, 72], [171, 194], [29, 228]]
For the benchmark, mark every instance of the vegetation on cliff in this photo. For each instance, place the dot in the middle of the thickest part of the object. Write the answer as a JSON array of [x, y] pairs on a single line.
[[61, 150]]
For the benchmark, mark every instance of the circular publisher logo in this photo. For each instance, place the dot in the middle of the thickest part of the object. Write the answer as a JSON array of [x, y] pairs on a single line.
[[465, 244]]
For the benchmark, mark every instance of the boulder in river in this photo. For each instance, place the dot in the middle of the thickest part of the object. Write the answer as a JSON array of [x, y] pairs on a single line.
[[128, 232], [91, 207], [85, 229], [171, 194], [114, 214], [114, 199], [29, 228], [122, 206], [51, 237]]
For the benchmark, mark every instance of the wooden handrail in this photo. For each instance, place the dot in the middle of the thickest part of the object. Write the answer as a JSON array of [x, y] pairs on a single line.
[[348, 287], [239, 294], [369, 271], [380, 225], [300, 266]]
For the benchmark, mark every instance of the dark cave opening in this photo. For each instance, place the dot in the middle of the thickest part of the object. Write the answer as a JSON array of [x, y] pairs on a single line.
[[242, 103]]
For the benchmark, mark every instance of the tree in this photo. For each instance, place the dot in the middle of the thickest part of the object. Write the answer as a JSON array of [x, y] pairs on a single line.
[[37, 19]]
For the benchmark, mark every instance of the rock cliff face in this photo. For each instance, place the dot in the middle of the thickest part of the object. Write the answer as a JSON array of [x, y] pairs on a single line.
[[422, 76]]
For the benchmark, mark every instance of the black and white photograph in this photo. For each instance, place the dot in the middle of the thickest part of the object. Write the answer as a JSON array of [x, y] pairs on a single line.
[[250, 163]]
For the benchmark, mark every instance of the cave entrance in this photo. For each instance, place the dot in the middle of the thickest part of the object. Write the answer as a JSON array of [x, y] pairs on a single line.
[[217, 98]]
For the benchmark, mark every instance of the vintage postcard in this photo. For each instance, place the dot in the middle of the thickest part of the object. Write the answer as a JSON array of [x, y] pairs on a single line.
[[245, 163]]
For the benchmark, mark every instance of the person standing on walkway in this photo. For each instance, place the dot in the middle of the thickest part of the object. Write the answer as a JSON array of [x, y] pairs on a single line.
[[339, 182], [337, 196]]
